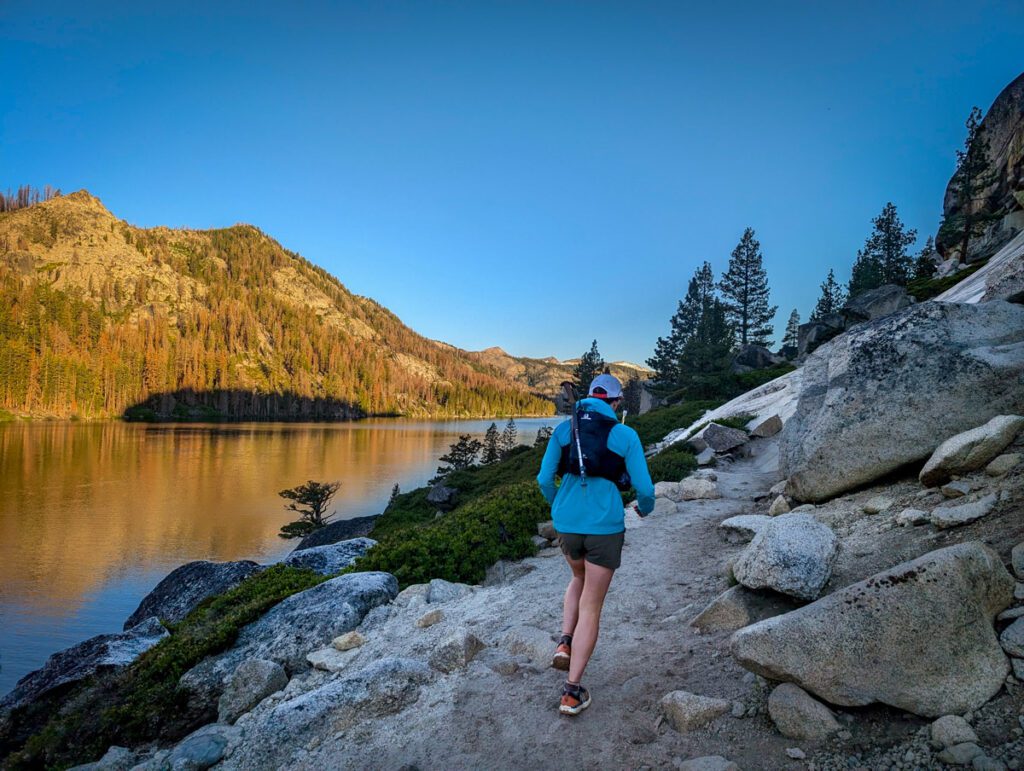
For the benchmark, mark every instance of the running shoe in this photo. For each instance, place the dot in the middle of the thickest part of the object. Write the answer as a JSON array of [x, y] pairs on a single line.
[[561, 658], [574, 701]]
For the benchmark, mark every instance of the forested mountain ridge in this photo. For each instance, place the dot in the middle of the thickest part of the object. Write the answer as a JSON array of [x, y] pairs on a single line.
[[98, 316]]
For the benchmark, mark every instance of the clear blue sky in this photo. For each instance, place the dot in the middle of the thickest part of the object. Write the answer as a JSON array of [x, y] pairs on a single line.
[[529, 175]]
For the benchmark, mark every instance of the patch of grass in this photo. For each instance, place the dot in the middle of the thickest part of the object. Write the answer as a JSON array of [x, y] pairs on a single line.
[[461, 545], [142, 702], [926, 288], [7, 417]]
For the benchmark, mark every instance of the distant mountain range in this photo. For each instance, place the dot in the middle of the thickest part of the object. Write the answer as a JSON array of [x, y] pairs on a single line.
[[545, 375], [98, 317]]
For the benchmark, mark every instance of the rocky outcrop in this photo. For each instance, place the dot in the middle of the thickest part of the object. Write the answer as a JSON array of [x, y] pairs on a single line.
[[970, 450], [776, 397], [929, 371], [384, 687], [185, 587], [332, 558], [1003, 127], [291, 629], [918, 636], [340, 530], [97, 654], [874, 304], [1001, 278], [751, 357], [815, 333], [793, 555]]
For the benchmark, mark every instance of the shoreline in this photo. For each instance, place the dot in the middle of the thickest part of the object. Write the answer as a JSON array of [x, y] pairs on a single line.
[[248, 419]]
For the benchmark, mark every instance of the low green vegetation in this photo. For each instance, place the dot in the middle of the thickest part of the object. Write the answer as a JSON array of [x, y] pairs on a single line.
[[6, 417], [746, 381], [142, 702], [412, 508], [927, 288], [461, 545], [672, 464]]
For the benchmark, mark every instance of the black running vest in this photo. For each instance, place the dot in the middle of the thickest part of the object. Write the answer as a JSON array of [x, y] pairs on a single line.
[[598, 460]]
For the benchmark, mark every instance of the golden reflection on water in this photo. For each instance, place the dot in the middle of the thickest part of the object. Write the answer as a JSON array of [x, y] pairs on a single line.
[[82, 505]]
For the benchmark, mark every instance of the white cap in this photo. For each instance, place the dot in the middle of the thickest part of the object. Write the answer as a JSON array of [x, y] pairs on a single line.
[[611, 386]]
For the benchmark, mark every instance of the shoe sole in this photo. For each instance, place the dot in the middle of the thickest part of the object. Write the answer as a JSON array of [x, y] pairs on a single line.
[[573, 711], [560, 661]]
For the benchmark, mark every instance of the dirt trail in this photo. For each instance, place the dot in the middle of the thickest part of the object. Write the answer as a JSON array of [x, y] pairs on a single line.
[[673, 564]]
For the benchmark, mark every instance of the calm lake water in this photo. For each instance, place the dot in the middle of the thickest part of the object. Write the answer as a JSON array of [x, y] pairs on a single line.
[[92, 516]]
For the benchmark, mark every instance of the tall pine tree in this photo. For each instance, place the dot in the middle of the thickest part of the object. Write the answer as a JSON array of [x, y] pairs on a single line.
[[705, 359], [832, 297], [890, 241], [631, 393], [492, 446], [745, 289], [865, 275], [509, 438], [461, 455], [973, 175], [792, 336], [590, 366], [884, 258], [924, 265], [668, 350]]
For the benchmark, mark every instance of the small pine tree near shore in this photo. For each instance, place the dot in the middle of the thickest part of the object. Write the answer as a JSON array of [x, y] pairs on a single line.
[[310, 501]]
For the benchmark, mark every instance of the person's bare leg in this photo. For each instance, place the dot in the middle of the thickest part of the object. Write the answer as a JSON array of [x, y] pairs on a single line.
[[571, 603], [595, 586]]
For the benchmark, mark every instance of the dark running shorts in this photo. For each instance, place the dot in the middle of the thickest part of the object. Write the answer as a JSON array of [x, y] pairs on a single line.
[[602, 550]]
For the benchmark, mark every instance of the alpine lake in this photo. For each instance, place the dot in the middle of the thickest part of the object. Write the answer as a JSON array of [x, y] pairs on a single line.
[[94, 515]]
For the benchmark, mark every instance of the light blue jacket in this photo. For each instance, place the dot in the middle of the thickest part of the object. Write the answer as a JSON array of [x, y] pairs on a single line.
[[594, 509]]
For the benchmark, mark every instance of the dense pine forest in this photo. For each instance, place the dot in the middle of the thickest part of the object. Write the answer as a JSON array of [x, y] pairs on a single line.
[[98, 317]]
